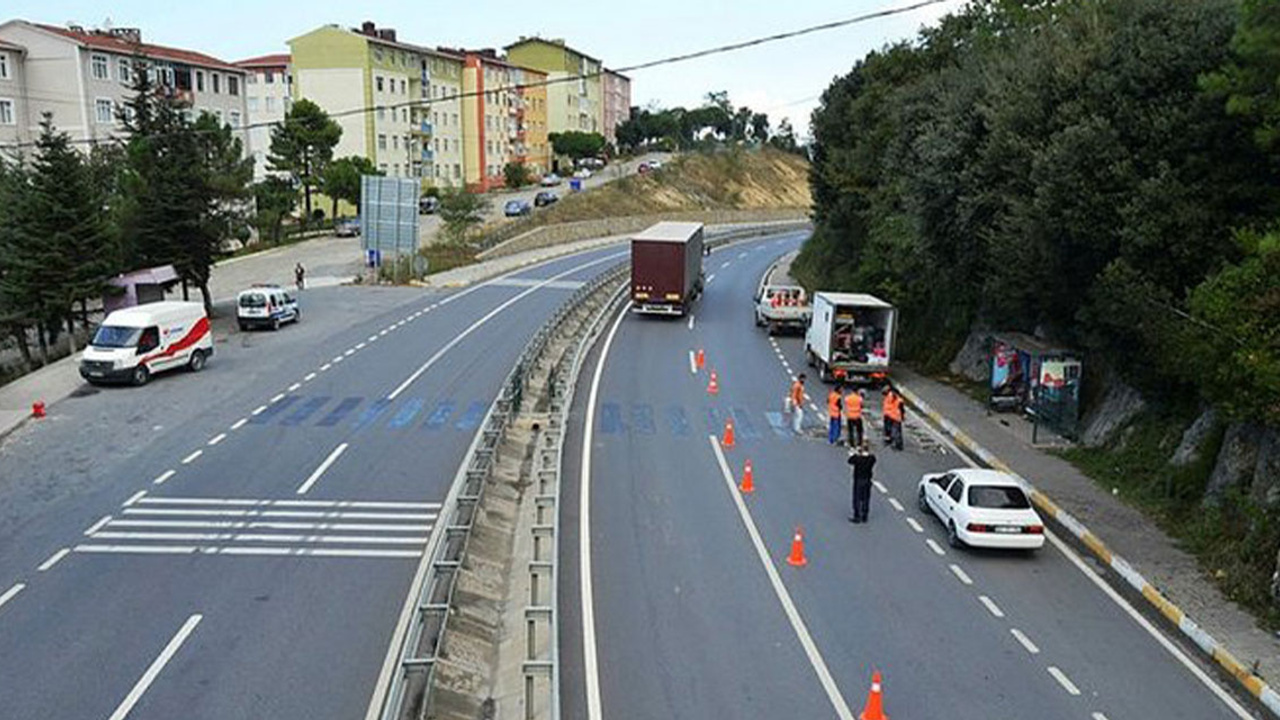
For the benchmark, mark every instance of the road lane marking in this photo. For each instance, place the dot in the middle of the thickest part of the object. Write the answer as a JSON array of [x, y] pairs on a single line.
[[217, 439], [1099, 716], [486, 318], [261, 538], [724, 264], [98, 525], [260, 551], [1063, 680], [914, 525], [268, 525], [937, 549], [361, 346], [247, 502], [293, 387], [157, 665], [1024, 641], [991, 606], [239, 423], [309, 377], [741, 255], [259, 410], [163, 477], [880, 486], [960, 574], [318, 514], [590, 661], [10, 593], [896, 505], [711, 277], [135, 498], [325, 367], [780, 589], [333, 456], [693, 365], [372, 338], [350, 351], [691, 317], [275, 398], [53, 560], [192, 457]]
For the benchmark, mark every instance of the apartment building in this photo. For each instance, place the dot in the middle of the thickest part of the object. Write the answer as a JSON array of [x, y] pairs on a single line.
[[532, 146], [83, 78], [268, 96], [440, 119], [616, 107], [572, 104]]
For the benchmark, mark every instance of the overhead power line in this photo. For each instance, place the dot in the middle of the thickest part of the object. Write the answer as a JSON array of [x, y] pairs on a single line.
[[670, 60]]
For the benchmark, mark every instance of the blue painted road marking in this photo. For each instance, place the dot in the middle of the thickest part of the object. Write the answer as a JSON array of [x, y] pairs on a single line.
[[611, 418], [407, 412], [743, 426], [305, 410], [273, 409], [440, 416], [677, 421], [371, 413], [340, 411], [642, 419]]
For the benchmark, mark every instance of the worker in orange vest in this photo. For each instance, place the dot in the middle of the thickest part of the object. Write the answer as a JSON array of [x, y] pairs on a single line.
[[833, 416], [893, 412], [853, 416], [795, 403]]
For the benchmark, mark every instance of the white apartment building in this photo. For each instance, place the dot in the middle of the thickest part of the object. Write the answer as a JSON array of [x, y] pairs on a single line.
[[442, 133], [268, 96], [83, 77], [13, 103]]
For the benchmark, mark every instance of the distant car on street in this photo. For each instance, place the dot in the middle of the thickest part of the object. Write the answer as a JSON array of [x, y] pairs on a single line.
[[428, 205], [266, 306], [516, 208], [982, 508], [550, 180], [544, 198], [583, 174], [349, 227], [655, 164]]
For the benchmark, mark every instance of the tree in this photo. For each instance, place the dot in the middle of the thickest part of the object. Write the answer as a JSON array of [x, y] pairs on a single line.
[[784, 138], [274, 199], [341, 179], [516, 174], [303, 145], [459, 212], [760, 128], [1250, 81], [576, 144]]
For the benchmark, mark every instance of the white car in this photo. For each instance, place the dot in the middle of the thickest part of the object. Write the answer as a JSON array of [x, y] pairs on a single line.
[[583, 174], [550, 180], [982, 508], [266, 306]]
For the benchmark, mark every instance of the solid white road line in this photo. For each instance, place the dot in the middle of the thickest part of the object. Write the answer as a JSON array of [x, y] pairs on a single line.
[[937, 549], [991, 606], [961, 574], [1063, 680], [300, 514], [245, 502], [217, 439], [53, 560], [771, 570], [486, 318], [251, 551], [914, 525], [239, 423], [1024, 641], [192, 457], [590, 661], [156, 666], [98, 525], [896, 505], [266, 525], [333, 456], [10, 593], [164, 476], [260, 538], [259, 410], [135, 498]]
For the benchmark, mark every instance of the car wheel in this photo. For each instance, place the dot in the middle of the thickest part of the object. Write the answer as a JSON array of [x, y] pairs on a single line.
[[141, 375], [953, 538], [297, 316], [275, 323], [197, 361], [809, 357], [923, 502]]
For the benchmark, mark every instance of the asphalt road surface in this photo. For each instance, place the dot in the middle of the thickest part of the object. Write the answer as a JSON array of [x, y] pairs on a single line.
[[238, 543], [694, 613]]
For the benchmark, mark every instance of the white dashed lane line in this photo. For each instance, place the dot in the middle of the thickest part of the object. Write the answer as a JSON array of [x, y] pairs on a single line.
[[54, 559], [991, 606], [336, 360], [162, 477], [349, 352], [896, 505], [880, 486], [1024, 641], [309, 377], [960, 574], [135, 498], [372, 338], [935, 547], [10, 593], [360, 346], [217, 439], [914, 525], [192, 457], [325, 366], [259, 410], [98, 525], [293, 387], [239, 423], [1063, 680], [275, 398]]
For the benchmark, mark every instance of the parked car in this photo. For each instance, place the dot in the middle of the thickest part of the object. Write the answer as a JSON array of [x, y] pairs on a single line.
[[133, 343], [982, 508], [550, 180], [516, 208], [266, 306], [545, 197], [583, 174], [655, 164], [428, 205], [349, 227]]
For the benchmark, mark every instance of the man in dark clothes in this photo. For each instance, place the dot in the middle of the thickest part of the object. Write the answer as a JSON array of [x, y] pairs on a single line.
[[862, 461]]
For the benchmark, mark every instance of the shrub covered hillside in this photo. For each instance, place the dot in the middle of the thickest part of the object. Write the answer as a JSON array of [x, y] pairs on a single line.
[[1100, 172]]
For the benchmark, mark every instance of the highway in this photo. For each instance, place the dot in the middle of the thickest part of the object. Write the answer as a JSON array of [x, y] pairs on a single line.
[[239, 543], [692, 612]]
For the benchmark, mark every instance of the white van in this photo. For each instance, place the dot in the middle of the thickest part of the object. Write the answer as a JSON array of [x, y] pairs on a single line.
[[136, 342], [266, 306]]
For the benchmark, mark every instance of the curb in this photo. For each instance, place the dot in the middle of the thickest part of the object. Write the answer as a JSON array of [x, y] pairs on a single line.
[[1256, 686]]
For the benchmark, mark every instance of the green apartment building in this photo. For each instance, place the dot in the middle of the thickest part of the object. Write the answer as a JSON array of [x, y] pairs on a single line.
[[571, 105]]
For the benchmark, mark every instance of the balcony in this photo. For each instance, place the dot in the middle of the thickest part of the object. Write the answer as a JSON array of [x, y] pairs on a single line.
[[428, 155], [423, 128]]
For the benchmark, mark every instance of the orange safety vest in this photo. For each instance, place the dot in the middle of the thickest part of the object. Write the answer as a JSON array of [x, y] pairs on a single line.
[[893, 407], [797, 393], [833, 404], [853, 406]]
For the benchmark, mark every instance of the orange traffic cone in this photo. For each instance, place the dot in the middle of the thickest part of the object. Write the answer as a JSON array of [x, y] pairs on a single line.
[[874, 709], [748, 485], [797, 558], [700, 359], [727, 441], [37, 409], [713, 387]]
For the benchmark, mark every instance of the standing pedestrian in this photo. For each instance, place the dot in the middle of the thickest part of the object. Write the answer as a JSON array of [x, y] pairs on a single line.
[[863, 461], [796, 402], [833, 416], [893, 413], [853, 417], [299, 274]]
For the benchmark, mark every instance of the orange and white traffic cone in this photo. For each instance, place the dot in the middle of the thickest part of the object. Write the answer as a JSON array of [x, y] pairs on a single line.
[[797, 558], [700, 359], [713, 387], [748, 485], [874, 709], [727, 440]]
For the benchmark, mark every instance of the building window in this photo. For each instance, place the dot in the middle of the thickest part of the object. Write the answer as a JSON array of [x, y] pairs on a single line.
[[382, 113], [269, 77], [253, 104], [235, 119], [382, 142], [251, 78], [123, 69], [378, 82], [233, 85], [457, 171], [103, 110], [403, 91], [271, 104], [166, 77], [455, 119], [216, 82], [4, 66], [100, 71], [199, 81], [6, 112], [395, 142]]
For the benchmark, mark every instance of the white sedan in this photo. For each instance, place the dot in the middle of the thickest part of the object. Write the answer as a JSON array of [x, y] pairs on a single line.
[[982, 508]]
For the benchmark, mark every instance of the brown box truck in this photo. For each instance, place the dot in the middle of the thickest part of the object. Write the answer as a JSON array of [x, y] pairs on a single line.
[[666, 268]]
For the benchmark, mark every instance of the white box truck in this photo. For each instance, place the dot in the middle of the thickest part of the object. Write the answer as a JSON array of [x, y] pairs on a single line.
[[851, 336], [134, 343]]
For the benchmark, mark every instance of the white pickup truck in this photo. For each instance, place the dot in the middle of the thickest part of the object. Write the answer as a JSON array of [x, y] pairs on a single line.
[[782, 307]]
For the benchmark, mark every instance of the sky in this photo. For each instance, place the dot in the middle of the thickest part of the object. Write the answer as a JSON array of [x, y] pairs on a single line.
[[783, 79]]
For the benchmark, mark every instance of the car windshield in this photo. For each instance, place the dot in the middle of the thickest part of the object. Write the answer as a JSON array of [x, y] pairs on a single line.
[[253, 300], [998, 497], [513, 205], [116, 336]]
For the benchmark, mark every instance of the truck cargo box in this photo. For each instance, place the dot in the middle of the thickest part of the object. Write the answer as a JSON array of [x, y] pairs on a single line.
[[666, 268]]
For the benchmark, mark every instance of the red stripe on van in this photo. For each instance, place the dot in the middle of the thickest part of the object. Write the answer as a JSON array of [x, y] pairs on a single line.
[[197, 331]]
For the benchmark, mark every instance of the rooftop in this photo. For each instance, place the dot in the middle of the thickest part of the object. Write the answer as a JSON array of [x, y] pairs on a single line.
[[548, 41], [276, 60], [128, 41]]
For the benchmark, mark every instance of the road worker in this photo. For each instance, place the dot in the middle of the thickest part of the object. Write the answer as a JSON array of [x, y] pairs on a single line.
[[795, 403], [892, 408], [833, 416], [853, 417]]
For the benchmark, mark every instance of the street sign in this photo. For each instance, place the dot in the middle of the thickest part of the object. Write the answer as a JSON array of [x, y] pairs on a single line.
[[389, 215]]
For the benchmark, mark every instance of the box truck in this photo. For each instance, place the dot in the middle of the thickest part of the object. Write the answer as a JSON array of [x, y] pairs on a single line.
[[851, 336], [134, 343], [666, 268]]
